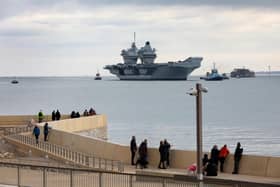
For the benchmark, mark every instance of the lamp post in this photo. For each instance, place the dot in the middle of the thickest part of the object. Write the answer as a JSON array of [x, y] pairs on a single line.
[[198, 93]]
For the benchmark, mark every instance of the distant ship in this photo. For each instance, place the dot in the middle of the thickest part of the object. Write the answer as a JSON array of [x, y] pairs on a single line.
[[242, 73], [147, 69], [97, 76], [14, 82]]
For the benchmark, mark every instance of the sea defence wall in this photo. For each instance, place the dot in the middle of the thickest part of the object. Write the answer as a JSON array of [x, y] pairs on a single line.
[[14, 120], [65, 135], [63, 132]]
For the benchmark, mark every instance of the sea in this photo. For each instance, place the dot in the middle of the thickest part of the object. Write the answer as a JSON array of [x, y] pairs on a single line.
[[235, 110]]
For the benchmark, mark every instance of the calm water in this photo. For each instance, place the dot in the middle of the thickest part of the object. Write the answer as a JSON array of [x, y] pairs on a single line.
[[245, 110]]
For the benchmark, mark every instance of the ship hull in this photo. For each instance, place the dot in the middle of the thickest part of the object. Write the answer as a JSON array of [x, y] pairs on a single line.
[[162, 73], [156, 71]]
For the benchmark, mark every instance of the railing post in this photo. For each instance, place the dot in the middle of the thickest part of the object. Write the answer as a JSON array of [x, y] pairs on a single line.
[[44, 178], [93, 161], [18, 176], [163, 182], [100, 179], [130, 180], [71, 178], [99, 159]]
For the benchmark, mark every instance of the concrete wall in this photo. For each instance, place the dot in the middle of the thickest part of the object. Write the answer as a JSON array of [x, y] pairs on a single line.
[[79, 124], [12, 120], [249, 165]]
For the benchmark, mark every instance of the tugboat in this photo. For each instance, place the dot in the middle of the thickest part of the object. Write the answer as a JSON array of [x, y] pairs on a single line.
[[214, 75], [97, 76]]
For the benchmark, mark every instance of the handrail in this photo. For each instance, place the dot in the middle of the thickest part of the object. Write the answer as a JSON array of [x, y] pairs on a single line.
[[129, 178], [82, 159]]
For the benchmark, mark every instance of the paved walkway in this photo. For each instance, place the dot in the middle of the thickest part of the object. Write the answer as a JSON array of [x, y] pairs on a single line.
[[181, 173]]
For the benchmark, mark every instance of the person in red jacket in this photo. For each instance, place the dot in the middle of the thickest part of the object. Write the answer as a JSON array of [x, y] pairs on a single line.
[[222, 156]]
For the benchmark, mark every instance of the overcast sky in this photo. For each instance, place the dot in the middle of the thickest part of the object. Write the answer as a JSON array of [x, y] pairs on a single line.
[[79, 37]]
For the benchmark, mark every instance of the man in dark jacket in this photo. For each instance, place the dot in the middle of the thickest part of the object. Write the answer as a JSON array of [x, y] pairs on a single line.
[[57, 115], [215, 154], [53, 115], [162, 153], [46, 132], [167, 152], [36, 132], [237, 157], [133, 149]]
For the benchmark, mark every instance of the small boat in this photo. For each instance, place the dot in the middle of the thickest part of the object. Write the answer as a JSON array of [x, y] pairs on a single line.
[[214, 75], [14, 81], [97, 76]]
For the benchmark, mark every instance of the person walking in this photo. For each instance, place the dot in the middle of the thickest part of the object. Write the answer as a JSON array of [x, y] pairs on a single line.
[[162, 153], [36, 133], [167, 152], [133, 149], [46, 131], [57, 115], [237, 157], [222, 157], [215, 154], [40, 116]]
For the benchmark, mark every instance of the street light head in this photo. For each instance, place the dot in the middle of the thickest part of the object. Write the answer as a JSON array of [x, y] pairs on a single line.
[[205, 90], [192, 92]]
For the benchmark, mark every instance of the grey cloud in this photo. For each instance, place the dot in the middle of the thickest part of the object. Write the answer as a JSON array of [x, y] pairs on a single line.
[[15, 7], [19, 32], [227, 3]]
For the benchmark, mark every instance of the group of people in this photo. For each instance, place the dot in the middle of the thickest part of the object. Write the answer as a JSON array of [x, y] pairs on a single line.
[[75, 114], [36, 132], [164, 149], [142, 159], [56, 115], [211, 165], [91, 112]]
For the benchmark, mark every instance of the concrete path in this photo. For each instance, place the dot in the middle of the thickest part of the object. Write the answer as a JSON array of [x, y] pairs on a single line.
[[181, 173]]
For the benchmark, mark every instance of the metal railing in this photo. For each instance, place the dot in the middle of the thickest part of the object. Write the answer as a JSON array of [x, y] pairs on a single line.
[[45, 176], [61, 152], [17, 130]]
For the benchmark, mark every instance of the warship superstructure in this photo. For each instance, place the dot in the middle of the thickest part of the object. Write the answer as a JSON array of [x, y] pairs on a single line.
[[147, 69]]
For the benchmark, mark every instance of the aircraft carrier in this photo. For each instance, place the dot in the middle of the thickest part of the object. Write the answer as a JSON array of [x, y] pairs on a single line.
[[147, 69]]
